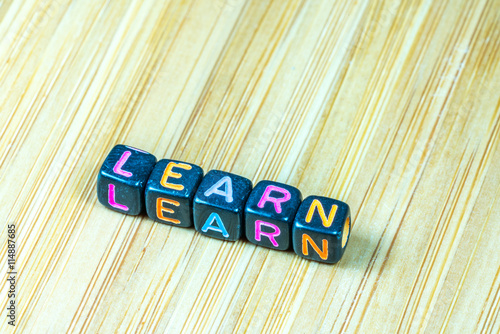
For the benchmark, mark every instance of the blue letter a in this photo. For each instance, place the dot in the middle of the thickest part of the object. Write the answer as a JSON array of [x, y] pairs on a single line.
[[218, 227]]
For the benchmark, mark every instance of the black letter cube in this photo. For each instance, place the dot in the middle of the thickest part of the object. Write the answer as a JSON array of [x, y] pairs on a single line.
[[321, 229], [122, 179], [219, 204], [269, 214], [170, 191]]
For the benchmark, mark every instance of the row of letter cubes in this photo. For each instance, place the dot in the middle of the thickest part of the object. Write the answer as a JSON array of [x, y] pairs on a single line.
[[224, 205]]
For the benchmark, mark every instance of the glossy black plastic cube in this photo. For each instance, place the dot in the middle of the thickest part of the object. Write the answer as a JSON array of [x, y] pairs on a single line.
[[219, 205], [321, 229], [123, 177], [170, 192], [269, 214]]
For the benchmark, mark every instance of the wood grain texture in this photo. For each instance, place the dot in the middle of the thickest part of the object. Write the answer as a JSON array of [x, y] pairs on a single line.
[[390, 106]]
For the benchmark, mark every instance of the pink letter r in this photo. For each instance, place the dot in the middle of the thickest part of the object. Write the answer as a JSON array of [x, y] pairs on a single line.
[[270, 235], [277, 201]]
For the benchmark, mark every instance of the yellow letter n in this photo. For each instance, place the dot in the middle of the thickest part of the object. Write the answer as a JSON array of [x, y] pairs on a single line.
[[327, 222]]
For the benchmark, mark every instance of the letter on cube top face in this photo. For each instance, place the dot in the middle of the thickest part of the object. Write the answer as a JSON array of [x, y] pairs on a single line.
[[219, 204], [170, 192], [122, 179], [321, 229], [269, 214]]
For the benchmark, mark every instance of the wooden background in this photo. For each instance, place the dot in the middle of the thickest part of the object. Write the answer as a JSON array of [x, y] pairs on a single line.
[[390, 106]]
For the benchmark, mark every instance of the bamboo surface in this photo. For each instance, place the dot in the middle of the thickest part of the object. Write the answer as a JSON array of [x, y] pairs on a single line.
[[390, 106]]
